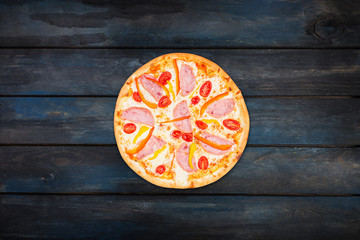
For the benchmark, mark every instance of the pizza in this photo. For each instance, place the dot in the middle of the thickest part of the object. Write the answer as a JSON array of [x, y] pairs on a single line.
[[180, 121]]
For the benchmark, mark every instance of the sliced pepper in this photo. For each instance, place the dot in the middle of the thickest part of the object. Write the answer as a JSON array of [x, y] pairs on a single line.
[[141, 131], [149, 104], [195, 91], [141, 145], [191, 154], [177, 77], [208, 121], [212, 144], [171, 90], [157, 152], [177, 119], [203, 108], [159, 84]]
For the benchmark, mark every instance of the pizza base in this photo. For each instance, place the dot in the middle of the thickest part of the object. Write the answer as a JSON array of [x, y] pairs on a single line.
[[233, 156]]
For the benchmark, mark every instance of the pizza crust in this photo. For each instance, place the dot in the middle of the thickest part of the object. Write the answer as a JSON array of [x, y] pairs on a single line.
[[233, 156]]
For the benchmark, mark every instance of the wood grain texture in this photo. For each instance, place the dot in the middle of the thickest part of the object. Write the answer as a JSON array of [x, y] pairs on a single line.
[[104, 71], [288, 121], [261, 170], [179, 217], [90, 23]]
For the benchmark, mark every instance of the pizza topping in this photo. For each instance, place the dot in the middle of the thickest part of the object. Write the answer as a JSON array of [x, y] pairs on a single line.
[[160, 169], [205, 89], [187, 137], [153, 86], [157, 152], [221, 107], [182, 157], [149, 104], [141, 145], [171, 90], [214, 99], [191, 154], [214, 142], [177, 119], [187, 80], [201, 124], [151, 146], [164, 77], [164, 102], [182, 110], [177, 77], [208, 121], [176, 134], [129, 128], [203, 163], [136, 96], [138, 115], [141, 132], [232, 124], [195, 100]]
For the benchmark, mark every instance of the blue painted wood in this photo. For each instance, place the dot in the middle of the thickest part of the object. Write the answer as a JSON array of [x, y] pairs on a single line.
[[178, 217], [100, 169], [104, 71], [90, 23], [288, 121]]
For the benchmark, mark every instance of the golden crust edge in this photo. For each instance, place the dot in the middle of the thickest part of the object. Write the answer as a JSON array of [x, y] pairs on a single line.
[[165, 183]]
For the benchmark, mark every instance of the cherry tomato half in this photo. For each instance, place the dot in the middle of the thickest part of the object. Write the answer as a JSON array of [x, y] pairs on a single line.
[[201, 124], [164, 77], [136, 96], [176, 134], [164, 101], [129, 128], [160, 169], [203, 163], [187, 137], [205, 89], [231, 124], [195, 100]]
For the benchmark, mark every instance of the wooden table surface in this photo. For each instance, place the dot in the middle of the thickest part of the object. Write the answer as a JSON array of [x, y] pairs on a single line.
[[62, 64]]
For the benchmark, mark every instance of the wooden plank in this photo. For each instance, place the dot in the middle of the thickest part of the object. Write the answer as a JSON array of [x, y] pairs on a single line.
[[261, 170], [190, 217], [179, 23], [104, 71], [289, 121]]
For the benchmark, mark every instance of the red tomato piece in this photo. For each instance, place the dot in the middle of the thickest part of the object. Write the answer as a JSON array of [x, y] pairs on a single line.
[[231, 124], [195, 100], [176, 134], [203, 163], [164, 77], [129, 128], [201, 124], [164, 102], [160, 169], [187, 137], [205, 89], [136, 96]]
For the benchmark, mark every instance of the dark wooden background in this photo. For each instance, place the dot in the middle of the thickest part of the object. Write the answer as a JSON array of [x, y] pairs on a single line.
[[62, 64]]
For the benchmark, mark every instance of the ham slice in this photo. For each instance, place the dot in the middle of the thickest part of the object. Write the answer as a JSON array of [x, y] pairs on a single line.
[[221, 107], [182, 157], [182, 110], [155, 90], [187, 80], [151, 146], [138, 115], [217, 140]]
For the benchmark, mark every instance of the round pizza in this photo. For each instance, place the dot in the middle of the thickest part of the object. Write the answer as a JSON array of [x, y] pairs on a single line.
[[180, 121]]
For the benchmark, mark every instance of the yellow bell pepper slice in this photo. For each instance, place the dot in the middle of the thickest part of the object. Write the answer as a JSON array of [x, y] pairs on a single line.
[[141, 131], [171, 90], [157, 152], [195, 91], [191, 154], [208, 121]]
